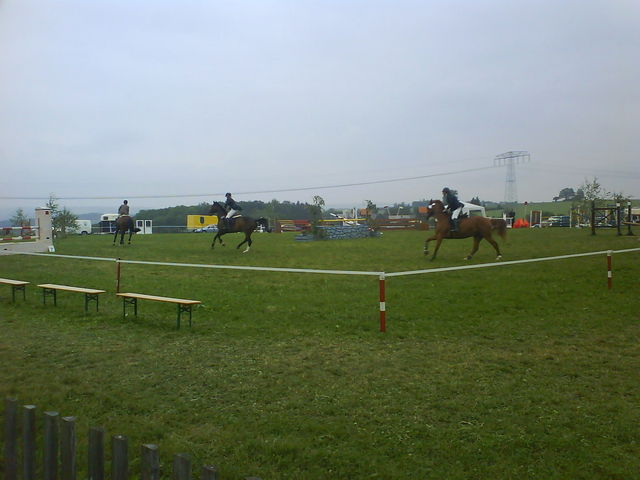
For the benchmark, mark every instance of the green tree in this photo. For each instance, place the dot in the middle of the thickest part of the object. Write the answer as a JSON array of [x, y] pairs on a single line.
[[61, 220], [372, 214], [593, 192], [567, 194], [315, 214], [20, 219], [52, 204], [64, 221]]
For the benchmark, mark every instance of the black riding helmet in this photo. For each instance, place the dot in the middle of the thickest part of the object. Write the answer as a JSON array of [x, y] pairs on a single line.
[[227, 194], [445, 190]]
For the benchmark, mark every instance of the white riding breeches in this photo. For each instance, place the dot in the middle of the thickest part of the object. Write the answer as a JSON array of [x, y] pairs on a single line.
[[456, 213], [231, 213]]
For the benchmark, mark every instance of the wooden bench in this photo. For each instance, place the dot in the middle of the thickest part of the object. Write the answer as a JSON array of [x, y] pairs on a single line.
[[16, 286], [90, 294], [132, 299]]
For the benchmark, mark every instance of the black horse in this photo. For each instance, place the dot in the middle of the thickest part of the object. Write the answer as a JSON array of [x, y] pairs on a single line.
[[237, 224], [124, 224]]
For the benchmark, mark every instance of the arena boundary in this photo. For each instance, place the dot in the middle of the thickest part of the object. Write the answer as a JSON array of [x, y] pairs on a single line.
[[382, 276]]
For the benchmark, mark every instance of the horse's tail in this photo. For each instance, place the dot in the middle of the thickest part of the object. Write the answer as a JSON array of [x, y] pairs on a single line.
[[500, 226], [265, 223]]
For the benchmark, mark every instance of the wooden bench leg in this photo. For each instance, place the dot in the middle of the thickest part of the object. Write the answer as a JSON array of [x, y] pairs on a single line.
[[90, 297], [17, 288], [183, 308], [49, 292], [129, 301]]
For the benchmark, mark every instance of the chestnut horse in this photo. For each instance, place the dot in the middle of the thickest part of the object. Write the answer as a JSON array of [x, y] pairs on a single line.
[[476, 227], [238, 224], [124, 224]]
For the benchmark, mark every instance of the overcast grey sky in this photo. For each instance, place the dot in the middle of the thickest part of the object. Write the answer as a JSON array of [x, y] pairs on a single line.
[[132, 98]]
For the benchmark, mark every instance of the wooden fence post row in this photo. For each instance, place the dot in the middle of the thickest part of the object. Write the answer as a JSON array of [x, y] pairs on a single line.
[[58, 452]]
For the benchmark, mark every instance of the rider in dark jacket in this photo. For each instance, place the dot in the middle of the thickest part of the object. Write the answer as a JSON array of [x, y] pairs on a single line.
[[232, 208], [453, 205], [124, 208]]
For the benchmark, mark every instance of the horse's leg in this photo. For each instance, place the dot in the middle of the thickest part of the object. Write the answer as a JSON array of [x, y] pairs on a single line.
[[490, 239], [130, 235], [435, 250], [426, 244], [476, 243], [115, 237], [247, 240], [122, 237], [216, 237]]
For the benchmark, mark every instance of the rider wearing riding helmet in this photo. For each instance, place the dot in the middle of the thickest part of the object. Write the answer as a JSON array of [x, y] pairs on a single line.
[[123, 209], [453, 205], [232, 208]]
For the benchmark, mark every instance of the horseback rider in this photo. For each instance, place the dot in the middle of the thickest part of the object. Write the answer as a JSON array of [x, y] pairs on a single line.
[[232, 208], [124, 208], [453, 205]]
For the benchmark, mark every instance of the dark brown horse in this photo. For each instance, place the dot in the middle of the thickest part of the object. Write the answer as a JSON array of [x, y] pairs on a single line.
[[476, 227], [237, 224], [124, 224]]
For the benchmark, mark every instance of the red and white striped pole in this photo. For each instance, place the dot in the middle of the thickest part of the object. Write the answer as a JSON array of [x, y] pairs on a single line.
[[117, 275], [609, 272], [383, 319]]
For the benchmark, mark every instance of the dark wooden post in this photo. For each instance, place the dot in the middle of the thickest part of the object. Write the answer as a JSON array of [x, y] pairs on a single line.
[[51, 440], [619, 218], [150, 463], [593, 217], [629, 232], [29, 443], [96, 454], [68, 448], [10, 439], [119, 458], [209, 472], [181, 467]]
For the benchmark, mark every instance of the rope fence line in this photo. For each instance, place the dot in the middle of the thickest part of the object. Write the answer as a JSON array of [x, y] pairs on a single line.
[[381, 275], [510, 262]]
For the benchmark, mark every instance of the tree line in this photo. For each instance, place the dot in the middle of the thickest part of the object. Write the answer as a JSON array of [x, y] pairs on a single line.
[[64, 220]]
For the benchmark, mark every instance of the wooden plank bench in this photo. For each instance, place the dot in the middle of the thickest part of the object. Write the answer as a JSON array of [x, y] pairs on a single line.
[[132, 299], [90, 294], [16, 286]]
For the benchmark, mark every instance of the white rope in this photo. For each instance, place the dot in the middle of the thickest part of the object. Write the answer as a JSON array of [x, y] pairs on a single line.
[[75, 257], [200, 265], [263, 269], [332, 272], [512, 262]]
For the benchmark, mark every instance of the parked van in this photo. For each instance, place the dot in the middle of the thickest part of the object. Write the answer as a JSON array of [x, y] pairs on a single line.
[[83, 227]]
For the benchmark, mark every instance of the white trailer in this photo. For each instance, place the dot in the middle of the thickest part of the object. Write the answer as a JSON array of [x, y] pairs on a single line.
[[82, 227]]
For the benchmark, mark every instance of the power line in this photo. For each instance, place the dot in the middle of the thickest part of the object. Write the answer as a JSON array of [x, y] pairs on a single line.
[[256, 192]]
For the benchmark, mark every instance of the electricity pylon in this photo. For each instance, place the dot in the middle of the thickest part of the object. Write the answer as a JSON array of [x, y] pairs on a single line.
[[510, 159]]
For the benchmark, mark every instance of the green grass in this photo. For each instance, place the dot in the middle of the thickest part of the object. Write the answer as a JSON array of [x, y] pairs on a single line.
[[517, 371]]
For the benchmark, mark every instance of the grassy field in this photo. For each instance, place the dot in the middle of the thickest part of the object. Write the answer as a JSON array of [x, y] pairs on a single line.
[[519, 371]]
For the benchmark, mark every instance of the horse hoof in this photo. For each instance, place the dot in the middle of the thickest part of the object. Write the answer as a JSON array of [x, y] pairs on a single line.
[[468, 257], [499, 257]]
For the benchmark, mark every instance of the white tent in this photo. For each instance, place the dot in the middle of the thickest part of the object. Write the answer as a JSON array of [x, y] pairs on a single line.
[[473, 210]]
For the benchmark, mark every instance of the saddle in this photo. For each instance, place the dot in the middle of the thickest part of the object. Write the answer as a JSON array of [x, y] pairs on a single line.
[[228, 222]]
